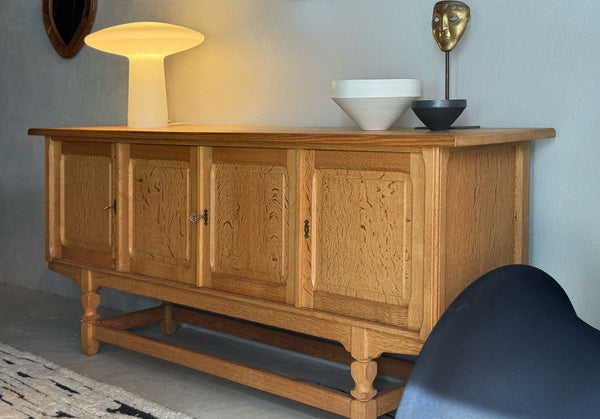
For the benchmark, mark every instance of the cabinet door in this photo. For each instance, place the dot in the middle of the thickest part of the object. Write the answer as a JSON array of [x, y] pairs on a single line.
[[249, 193], [86, 187], [364, 254], [162, 190]]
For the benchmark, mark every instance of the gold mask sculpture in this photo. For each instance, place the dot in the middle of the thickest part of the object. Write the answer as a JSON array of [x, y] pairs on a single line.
[[449, 22]]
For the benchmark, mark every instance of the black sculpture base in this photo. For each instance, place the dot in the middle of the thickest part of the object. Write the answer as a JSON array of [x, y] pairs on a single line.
[[438, 115]]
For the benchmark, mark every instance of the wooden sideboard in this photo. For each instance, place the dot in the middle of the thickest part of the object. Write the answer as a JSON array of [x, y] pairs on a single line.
[[355, 237]]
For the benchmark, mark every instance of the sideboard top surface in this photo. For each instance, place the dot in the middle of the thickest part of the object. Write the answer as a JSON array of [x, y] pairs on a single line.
[[297, 137]]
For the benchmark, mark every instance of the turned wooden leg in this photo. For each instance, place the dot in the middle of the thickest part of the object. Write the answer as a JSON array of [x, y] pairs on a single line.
[[168, 325], [90, 300], [363, 406]]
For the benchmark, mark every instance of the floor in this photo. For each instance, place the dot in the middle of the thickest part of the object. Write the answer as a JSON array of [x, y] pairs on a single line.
[[48, 326]]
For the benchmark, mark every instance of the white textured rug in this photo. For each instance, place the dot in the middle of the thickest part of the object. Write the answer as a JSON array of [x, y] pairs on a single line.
[[33, 387]]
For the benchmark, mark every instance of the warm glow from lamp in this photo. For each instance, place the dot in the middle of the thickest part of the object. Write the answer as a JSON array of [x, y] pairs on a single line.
[[145, 44]]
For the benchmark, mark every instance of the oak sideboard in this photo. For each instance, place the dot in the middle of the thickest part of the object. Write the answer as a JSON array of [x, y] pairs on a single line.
[[345, 244]]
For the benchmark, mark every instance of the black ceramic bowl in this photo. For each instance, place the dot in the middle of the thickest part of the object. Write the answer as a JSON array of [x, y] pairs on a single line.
[[438, 115]]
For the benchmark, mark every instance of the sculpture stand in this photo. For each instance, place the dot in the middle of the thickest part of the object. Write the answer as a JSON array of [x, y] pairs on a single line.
[[439, 115]]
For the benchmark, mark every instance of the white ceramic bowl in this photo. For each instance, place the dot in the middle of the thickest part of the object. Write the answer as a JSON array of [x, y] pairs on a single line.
[[375, 104]]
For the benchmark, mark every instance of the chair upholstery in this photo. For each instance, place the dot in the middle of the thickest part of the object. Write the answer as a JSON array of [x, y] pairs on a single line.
[[510, 345]]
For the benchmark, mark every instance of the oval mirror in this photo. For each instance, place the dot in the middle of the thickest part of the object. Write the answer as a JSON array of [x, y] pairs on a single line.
[[67, 22]]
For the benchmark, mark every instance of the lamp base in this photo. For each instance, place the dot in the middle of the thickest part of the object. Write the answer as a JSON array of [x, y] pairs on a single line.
[[147, 106]]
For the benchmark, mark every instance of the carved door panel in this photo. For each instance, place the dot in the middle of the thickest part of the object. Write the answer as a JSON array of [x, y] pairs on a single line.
[[364, 254], [86, 211], [249, 194], [162, 189]]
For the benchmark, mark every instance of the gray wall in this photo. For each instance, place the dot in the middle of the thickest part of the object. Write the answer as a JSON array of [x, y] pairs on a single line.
[[270, 62]]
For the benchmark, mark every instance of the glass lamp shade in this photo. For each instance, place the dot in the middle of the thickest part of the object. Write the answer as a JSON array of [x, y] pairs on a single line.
[[145, 44]]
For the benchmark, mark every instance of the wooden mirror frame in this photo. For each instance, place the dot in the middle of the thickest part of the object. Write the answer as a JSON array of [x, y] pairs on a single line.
[[68, 50]]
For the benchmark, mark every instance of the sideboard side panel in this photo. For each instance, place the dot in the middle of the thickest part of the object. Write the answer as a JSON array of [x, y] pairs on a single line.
[[480, 222], [522, 168]]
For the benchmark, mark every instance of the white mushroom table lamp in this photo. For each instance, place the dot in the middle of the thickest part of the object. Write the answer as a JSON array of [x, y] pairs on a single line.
[[145, 44]]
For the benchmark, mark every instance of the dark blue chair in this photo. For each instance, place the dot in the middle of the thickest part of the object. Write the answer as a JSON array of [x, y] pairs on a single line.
[[510, 346]]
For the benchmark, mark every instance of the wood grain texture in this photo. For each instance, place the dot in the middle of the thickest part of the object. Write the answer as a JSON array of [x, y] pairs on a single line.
[[362, 308], [203, 236], [388, 400], [312, 322], [416, 303], [294, 224], [85, 191], [247, 286], [479, 214], [123, 204], [364, 234], [521, 209], [52, 186], [281, 338], [112, 331], [162, 240], [321, 397], [168, 325], [250, 222], [362, 227], [250, 229], [90, 301], [363, 373], [434, 256], [398, 223], [329, 138], [86, 185], [160, 224], [363, 409], [306, 240], [135, 319]]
